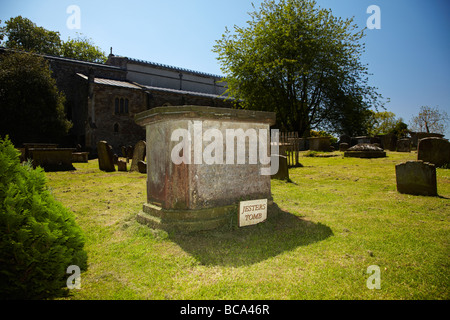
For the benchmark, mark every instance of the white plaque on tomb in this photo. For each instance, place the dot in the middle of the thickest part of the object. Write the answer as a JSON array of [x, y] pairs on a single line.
[[252, 212]]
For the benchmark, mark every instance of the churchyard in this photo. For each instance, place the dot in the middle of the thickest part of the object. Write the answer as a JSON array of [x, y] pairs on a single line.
[[341, 216]]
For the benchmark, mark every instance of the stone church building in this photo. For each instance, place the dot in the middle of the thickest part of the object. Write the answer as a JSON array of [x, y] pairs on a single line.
[[102, 99]]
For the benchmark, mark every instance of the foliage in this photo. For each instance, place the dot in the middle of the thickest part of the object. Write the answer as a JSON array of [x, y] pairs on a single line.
[[39, 237], [301, 62], [431, 120], [83, 49], [385, 122], [23, 34], [32, 108]]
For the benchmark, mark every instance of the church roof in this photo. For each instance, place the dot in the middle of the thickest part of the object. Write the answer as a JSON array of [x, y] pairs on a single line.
[[134, 85]]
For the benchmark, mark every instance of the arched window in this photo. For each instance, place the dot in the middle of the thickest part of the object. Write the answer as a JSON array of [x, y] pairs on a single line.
[[121, 105], [116, 106]]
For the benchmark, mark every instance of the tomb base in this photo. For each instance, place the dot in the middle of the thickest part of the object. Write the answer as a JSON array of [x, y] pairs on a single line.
[[185, 221]]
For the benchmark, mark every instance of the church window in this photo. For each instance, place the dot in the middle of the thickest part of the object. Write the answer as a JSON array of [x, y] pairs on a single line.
[[116, 106], [121, 106], [126, 105]]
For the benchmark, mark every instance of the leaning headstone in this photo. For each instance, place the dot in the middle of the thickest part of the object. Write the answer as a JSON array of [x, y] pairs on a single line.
[[105, 157], [138, 155], [404, 145], [434, 150], [417, 178], [121, 165]]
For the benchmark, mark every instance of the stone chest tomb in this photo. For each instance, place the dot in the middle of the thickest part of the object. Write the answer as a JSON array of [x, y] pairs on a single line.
[[201, 164]]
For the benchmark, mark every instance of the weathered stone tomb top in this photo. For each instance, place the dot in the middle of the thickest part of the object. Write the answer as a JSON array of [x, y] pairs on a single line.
[[365, 147], [201, 112]]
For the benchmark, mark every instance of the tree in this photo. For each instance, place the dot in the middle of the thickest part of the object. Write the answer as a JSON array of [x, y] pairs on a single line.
[[23, 34], [383, 122], [430, 120], [301, 62], [31, 107], [82, 48]]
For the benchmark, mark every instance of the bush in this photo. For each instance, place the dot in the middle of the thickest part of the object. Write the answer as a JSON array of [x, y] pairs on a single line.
[[39, 238]]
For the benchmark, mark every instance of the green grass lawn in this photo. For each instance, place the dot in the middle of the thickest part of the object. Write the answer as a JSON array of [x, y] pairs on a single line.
[[341, 215]]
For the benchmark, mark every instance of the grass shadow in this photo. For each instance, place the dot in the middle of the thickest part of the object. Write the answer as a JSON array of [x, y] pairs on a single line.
[[281, 232]]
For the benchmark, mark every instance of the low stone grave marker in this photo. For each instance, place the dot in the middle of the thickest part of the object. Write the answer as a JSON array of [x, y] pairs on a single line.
[[121, 165], [343, 146], [417, 178], [404, 145], [319, 143], [80, 156], [52, 159], [142, 166], [434, 150]]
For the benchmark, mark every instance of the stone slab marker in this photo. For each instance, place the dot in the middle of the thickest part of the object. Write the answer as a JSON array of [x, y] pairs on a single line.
[[192, 193], [138, 155], [105, 157], [121, 165], [417, 178], [434, 150], [404, 145]]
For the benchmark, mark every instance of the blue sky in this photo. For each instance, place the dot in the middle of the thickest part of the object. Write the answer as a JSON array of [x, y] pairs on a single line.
[[409, 56]]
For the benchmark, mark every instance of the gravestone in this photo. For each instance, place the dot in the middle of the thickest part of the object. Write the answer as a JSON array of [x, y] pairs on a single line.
[[188, 191], [319, 143], [124, 151], [121, 165], [142, 166], [52, 159], [343, 146], [283, 168], [404, 145], [417, 136], [417, 178], [138, 155], [388, 141], [365, 150], [434, 150], [105, 157], [80, 156]]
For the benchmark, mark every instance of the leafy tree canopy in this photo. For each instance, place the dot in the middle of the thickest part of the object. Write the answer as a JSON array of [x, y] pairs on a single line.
[[23, 34], [301, 62], [31, 106], [385, 122]]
